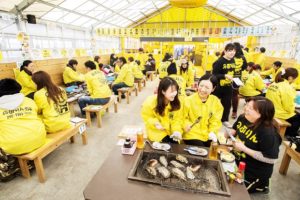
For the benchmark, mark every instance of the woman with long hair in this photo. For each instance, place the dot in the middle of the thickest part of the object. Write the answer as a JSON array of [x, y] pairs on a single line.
[[283, 95], [25, 79], [52, 103], [186, 72], [162, 70], [70, 74], [162, 113], [257, 143]]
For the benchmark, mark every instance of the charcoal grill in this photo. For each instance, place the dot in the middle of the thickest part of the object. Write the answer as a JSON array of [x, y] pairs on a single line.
[[210, 178]]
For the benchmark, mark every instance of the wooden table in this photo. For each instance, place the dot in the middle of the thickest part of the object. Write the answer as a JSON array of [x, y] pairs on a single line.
[[111, 183], [289, 154]]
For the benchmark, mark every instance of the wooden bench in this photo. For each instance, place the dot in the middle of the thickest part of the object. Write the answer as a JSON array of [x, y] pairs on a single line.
[[53, 141], [289, 153], [140, 83], [97, 109], [149, 75], [282, 126], [127, 91]]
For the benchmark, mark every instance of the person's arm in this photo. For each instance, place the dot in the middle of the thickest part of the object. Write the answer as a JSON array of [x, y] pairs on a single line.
[[287, 98], [89, 85], [244, 66], [41, 102], [217, 70], [266, 72], [214, 122], [148, 114], [259, 83], [75, 76], [191, 78], [176, 122], [186, 118], [121, 75], [26, 81]]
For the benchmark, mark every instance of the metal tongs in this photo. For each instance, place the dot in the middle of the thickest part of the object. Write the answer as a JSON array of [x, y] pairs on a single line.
[[196, 121], [230, 135]]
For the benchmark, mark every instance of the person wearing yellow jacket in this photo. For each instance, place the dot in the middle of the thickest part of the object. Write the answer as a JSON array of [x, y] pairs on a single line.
[[70, 75], [25, 80], [125, 77], [186, 72], [162, 113], [276, 69], [296, 84], [142, 58], [97, 87], [137, 73], [261, 58], [21, 130], [211, 58], [253, 84], [205, 107], [162, 70], [172, 72], [52, 103], [283, 95]]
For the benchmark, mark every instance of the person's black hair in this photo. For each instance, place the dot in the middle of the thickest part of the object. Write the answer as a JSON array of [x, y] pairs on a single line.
[[246, 49], [218, 54], [138, 62], [228, 47], [96, 58], [71, 64], [182, 70], [166, 57], [141, 50], [212, 78], [277, 64], [262, 49], [172, 69], [90, 64], [163, 86], [25, 64], [9, 86], [123, 60], [285, 74], [112, 56], [239, 51], [254, 67], [130, 59], [150, 55]]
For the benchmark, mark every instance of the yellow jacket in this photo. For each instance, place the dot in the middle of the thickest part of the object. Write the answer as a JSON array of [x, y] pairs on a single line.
[[260, 60], [162, 70], [181, 83], [282, 95], [188, 76], [171, 121], [211, 112], [253, 86], [25, 80], [296, 84], [142, 58], [21, 131], [271, 72], [55, 117], [137, 73], [69, 76], [210, 60], [97, 84], [117, 69], [125, 75]]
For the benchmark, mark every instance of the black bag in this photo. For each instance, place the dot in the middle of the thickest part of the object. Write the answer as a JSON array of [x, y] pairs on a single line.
[[294, 140]]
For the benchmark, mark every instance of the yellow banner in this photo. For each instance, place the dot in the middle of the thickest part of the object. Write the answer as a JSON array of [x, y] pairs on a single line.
[[1, 56], [46, 53]]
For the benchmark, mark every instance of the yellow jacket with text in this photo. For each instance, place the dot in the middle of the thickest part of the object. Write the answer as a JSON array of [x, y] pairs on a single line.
[[162, 70], [137, 73], [283, 96], [253, 86], [97, 84], [21, 130], [181, 83], [56, 117], [171, 120], [25, 80], [271, 72], [211, 112], [69, 76], [125, 75], [188, 76]]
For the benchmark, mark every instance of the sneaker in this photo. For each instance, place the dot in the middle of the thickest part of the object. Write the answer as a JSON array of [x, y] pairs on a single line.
[[227, 124], [234, 115]]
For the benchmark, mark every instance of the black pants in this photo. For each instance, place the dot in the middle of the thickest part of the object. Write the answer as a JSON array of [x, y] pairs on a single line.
[[295, 124], [198, 143], [254, 185], [117, 86], [225, 94], [235, 100], [169, 140]]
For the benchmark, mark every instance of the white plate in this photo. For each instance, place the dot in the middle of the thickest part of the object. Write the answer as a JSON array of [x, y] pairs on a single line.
[[197, 151], [227, 157], [161, 146]]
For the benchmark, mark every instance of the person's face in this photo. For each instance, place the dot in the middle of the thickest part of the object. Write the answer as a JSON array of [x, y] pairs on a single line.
[[99, 60], [75, 66], [170, 93], [248, 68], [291, 80], [119, 62], [229, 54], [250, 113], [275, 67], [205, 88], [30, 67], [184, 65]]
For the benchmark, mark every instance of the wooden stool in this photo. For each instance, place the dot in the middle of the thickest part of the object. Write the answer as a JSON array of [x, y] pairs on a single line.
[[149, 75], [289, 153], [282, 126], [127, 91], [97, 109], [140, 83]]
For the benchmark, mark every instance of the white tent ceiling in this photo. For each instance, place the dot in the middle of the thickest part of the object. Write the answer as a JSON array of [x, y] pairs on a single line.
[[123, 13]]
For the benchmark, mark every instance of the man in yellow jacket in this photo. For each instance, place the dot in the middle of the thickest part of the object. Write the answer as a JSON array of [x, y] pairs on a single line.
[[162, 69], [276, 69], [137, 73], [97, 87], [21, 131], [142, 57], [260, 58], [125, 77], [70, 75], [25, 80], [202, 114]]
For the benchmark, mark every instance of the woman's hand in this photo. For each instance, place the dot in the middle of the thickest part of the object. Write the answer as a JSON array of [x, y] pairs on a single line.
[[176, 136], [232, 131], [187, 128], [158, 126], [228, 77]]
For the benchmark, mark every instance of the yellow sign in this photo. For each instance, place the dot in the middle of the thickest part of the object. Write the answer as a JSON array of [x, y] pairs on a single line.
[[63, 53], [1, 56], [46, 53]]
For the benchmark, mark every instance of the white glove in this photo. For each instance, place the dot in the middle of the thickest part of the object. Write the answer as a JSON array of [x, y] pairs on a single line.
[[212, 136], [159, 126], [176, 136]]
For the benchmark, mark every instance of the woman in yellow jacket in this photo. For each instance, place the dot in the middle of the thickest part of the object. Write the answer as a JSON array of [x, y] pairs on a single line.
[[70, 75], [283, 95], [276, 69], [162, 70], [52, 103], [25, 80], [202, 114], [186, 72], [253, 84], [97, 87], [162, 113], [172, 72], [21, 130], [137, 73], [125, 77]]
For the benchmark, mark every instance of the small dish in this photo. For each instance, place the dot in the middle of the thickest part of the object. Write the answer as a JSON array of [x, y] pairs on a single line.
[[161, 146], [227, 157], [197, 151]]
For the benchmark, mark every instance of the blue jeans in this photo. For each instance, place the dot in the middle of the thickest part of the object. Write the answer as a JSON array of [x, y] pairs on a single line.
[[118, 86], [87, 100]]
